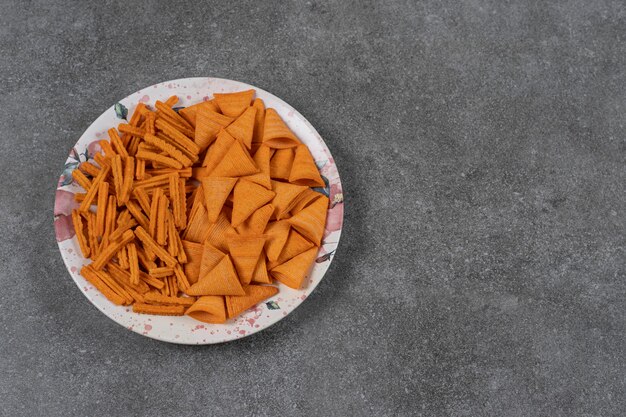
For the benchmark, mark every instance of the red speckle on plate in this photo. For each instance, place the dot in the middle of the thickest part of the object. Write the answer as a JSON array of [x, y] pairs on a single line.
[[200, 326], [242, 332], [145, 98], [73, 269], [229, 332], [205, 98], [147, 327], [188, 97], [257, 326], [250, 321]]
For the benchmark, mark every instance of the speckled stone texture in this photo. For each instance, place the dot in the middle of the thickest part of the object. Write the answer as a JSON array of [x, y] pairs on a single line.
[[482, 151]]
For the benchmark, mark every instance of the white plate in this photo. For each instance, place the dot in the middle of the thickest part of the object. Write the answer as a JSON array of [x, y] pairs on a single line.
[[184, 329]]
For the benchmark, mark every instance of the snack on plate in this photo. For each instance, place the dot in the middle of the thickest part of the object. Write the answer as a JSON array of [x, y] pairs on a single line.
[[198, 211]]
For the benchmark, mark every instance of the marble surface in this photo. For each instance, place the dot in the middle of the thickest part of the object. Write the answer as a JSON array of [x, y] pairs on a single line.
[[482, 152]]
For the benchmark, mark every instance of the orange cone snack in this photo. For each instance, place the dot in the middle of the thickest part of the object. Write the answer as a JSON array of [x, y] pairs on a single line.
[[233, 104], [292, 272], [189, 113], [256, 223], [197, 227], [236, 163], [248, 197], [243, 128], [253, 295], [281, 163], [295, 245], [259, 119], [304, 199], [311, 220], [193, 253], [208, 309], [216, 190], [219, 231], [260, 275], [276, 134], [245, 252], [217, 151], [286, 197], [208, 125], [303, 169], [221, 280], [277, 234], [211, 256]]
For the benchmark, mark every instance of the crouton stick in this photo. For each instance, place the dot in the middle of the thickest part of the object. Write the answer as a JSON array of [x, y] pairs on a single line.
[[171, 101], [103, 197], [81, 179], [132, 130], [135, 210], [102, 160], [93, 190], [118, 176], [106, 147], [153, 298], [169, 149], [180, 138], [172, 243], [80, 233], [133, 263], [165, 160], [161, 224], [148, 242], [89, 169], [127, 183], [119, 231], [161, 272], [90, 275], [158, 309], [116, 143], [154, 212], [142, 197], [110, 251], [144, 260]]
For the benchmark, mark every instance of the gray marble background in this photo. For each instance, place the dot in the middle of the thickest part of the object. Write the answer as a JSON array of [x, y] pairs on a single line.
[[482, 150]]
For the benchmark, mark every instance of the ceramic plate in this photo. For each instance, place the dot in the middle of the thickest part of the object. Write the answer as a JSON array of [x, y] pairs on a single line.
[[185, 329]]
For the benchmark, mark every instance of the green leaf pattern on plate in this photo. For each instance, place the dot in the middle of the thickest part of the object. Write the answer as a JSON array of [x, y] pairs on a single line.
[[121, 111], [272, 305]]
